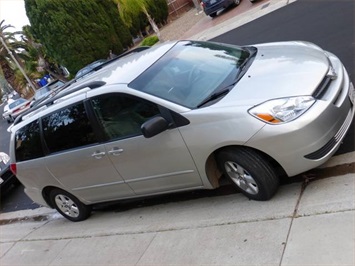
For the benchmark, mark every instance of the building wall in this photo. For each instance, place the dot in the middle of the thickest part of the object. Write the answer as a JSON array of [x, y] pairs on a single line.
[[177, 7]]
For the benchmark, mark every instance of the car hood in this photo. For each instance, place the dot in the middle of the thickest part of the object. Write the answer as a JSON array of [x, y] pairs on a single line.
[[280, 70]]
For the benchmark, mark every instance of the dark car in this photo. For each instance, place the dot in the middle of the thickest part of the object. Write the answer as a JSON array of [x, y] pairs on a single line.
[[7, 178], [211, 7]]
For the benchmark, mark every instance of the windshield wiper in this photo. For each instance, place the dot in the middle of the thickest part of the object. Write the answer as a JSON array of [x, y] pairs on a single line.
[[215, 96], [252, 52]]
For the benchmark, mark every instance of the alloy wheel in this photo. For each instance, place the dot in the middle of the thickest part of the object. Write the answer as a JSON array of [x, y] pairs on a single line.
[[241, 177]]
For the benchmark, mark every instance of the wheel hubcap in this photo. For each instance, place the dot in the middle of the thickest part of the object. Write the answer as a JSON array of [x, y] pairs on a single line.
[[241, 177], [66, 205]]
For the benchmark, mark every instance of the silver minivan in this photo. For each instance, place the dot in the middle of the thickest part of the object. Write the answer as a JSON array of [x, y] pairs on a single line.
[[178, 117]]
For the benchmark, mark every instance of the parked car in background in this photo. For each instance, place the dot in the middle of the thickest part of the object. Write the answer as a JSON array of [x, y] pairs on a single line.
[[211, 7], [6, 109], [180, 115], [45, 91], [85, 70], [4, 98], [7, 178], [15, 108]]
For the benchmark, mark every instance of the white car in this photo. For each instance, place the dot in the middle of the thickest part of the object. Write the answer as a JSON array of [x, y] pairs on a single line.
[[5, 114], [181, 115], [15, 108]]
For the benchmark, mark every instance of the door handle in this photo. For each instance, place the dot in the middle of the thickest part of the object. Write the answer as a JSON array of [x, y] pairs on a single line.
[[115, 151], [98, 154]]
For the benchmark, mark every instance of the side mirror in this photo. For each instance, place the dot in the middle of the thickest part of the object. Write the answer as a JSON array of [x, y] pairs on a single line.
[[154, 126]]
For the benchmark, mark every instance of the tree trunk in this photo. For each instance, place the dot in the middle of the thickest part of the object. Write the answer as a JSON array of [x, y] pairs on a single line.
[[9, 75], [153, 24]]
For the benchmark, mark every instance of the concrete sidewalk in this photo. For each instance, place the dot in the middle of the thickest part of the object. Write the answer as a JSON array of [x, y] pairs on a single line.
[[309, 223], [304, 224]]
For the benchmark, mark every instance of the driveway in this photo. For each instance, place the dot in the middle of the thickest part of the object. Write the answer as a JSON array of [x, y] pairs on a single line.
[[192, 23]]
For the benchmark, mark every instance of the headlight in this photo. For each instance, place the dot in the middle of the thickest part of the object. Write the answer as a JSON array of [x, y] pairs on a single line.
[[283, 110]]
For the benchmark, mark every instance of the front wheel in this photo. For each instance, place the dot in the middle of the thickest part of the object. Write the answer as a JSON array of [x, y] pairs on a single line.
[[249, 172], [69, 206]]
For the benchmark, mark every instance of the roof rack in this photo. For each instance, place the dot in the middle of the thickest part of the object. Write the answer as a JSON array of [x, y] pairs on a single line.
[[50, 101]]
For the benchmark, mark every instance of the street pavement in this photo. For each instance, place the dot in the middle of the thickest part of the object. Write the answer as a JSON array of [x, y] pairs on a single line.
[[305, 223]]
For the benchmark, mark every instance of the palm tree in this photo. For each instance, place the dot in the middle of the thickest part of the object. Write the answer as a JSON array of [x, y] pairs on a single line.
[[7, 65], [36, 57], [132, 8]]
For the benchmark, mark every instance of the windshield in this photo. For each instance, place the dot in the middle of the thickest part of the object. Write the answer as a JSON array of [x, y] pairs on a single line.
[[17, 103], [191, 71]]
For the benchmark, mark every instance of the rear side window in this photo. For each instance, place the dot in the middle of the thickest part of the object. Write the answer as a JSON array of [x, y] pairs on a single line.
[[68, 128], [28, 143]]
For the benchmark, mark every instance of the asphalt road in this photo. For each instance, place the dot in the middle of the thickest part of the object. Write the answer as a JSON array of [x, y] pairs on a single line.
[[328, 23]]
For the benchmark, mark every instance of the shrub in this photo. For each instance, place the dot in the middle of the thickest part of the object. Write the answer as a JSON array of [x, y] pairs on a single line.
[[150, 41]]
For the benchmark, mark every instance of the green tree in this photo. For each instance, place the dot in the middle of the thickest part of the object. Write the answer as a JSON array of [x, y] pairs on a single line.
[[77, 32], [37, 61], [159, 11], [131, 9]]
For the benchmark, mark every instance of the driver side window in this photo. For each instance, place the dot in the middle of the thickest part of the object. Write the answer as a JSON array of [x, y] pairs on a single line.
[[121, 116]]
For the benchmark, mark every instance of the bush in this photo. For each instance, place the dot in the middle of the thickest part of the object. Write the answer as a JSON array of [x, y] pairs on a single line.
[[150, 41]]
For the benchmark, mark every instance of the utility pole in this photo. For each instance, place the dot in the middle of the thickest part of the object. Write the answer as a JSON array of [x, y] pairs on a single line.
[[17, 64]]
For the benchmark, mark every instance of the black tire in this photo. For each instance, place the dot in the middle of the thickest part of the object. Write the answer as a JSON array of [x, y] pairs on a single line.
[[212, 15], [249, 172], [69, 206]]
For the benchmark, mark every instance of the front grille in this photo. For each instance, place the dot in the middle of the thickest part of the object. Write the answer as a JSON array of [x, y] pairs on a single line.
[[318, 154]]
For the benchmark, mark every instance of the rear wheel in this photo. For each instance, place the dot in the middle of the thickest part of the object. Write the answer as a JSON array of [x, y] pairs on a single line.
[[249, 172], [69, 206]]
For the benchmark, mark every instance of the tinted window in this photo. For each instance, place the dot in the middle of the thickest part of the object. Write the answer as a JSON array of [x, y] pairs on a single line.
[[28, 142], [67, 129], [121, 116]]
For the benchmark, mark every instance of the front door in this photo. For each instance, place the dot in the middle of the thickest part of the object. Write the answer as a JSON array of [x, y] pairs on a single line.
[[158, 164]]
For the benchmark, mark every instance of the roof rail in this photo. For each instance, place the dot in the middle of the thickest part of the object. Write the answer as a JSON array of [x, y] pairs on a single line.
[[50, 101]]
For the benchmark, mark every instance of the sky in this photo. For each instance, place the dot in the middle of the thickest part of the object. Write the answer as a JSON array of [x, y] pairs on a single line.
[[14, 13]]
